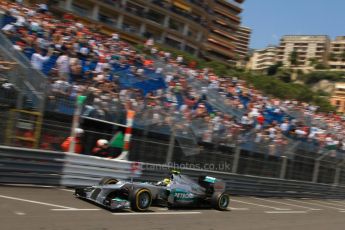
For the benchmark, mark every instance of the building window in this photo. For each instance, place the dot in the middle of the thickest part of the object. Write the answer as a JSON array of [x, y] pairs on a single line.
[[173, 43], [156, 17], [175, 25], [107, 20], [135, 9], [81, 10], [190, 49]]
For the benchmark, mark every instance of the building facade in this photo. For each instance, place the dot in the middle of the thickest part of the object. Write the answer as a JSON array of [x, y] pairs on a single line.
[[337, 54], [242, 42], [224, 21], [263, 59], [205, 28], [309, 51], [338, 97]]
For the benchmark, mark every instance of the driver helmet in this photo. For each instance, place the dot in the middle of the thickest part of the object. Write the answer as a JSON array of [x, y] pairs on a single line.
[[166, 181]]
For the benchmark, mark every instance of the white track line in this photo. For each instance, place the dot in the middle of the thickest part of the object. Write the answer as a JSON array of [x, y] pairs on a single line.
[[238, 209], [76, 209], [66, 190], [285, 212], [29, 185], [35, 202], [20, 213], [311, 203], [324, 202], [295, 205], [337, 201], [155, 213], [261, 205]]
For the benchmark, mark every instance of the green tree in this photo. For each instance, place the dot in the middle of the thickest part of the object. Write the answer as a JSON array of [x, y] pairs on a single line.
[[284, 75], [273, 69], [333, 56], [342, 56], [293, 58], [313, 62], [321, 66]]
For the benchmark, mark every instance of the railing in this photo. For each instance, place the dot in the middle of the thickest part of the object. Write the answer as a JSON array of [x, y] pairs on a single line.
[[57, 168], [241, 152], [253, 185], [26, 166]]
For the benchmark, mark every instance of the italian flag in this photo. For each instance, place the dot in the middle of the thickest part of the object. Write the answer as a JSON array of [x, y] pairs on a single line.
[[117, 141]]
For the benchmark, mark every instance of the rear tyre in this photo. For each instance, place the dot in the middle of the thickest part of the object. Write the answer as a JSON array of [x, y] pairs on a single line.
[[140, 199], [220, 201], [108, 180]]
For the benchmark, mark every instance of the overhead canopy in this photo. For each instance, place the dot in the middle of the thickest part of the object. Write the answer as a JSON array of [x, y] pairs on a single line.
[[180, 4]]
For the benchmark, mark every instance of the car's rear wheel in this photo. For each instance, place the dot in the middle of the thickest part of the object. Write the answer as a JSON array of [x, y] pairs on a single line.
[[108, 180], [140, 199], [220, 201]]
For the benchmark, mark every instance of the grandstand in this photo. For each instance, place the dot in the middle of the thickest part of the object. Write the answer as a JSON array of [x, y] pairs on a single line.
[[209, 116]]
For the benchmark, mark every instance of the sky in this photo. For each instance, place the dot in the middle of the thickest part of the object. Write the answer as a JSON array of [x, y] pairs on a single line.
[[271, 19]]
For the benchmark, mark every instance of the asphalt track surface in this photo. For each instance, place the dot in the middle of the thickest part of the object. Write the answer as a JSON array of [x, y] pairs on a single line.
[[43, 208]]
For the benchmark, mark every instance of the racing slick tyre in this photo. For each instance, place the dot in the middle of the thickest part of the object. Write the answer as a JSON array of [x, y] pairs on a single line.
[[108, 180], [140, 199], [220, 201]]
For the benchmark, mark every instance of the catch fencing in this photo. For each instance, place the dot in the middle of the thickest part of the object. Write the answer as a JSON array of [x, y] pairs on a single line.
[[27, 166], [30, 82], [241, 155]]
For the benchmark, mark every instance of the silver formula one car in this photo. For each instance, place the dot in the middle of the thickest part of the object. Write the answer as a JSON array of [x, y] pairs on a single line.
[[177, 191]]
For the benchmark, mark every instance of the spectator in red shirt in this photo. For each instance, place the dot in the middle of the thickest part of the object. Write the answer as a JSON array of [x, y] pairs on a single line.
[[78, 145]]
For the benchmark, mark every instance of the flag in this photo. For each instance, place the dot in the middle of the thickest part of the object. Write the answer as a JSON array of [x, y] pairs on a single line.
[[117, 141]]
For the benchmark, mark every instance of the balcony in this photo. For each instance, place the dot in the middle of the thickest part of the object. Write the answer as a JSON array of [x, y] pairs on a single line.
[[222, 28], [225, 24], [182, 11], [200, 3], [134, 9], [231, 6], [114, 3], [340, 92], [220, 44], [223, 35], [226, 58], [232, 17]]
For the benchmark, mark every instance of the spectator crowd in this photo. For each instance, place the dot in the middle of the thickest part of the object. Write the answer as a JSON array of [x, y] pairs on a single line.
[[161, 88]]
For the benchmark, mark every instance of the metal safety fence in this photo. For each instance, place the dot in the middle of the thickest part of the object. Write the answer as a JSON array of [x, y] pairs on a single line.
[[27, 166], [253, 185], [242, 155]]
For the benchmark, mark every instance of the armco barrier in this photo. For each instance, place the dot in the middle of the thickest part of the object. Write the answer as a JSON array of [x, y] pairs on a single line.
[[18, 165], [253, 185]]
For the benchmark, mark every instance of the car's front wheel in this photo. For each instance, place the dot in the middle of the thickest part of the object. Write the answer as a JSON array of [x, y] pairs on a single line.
[[108, 180], [220, 201], [140, 199]]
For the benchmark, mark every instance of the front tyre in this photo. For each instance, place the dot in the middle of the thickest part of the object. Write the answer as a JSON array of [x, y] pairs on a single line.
[[108, 180], [140, 199], [220, 201]]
